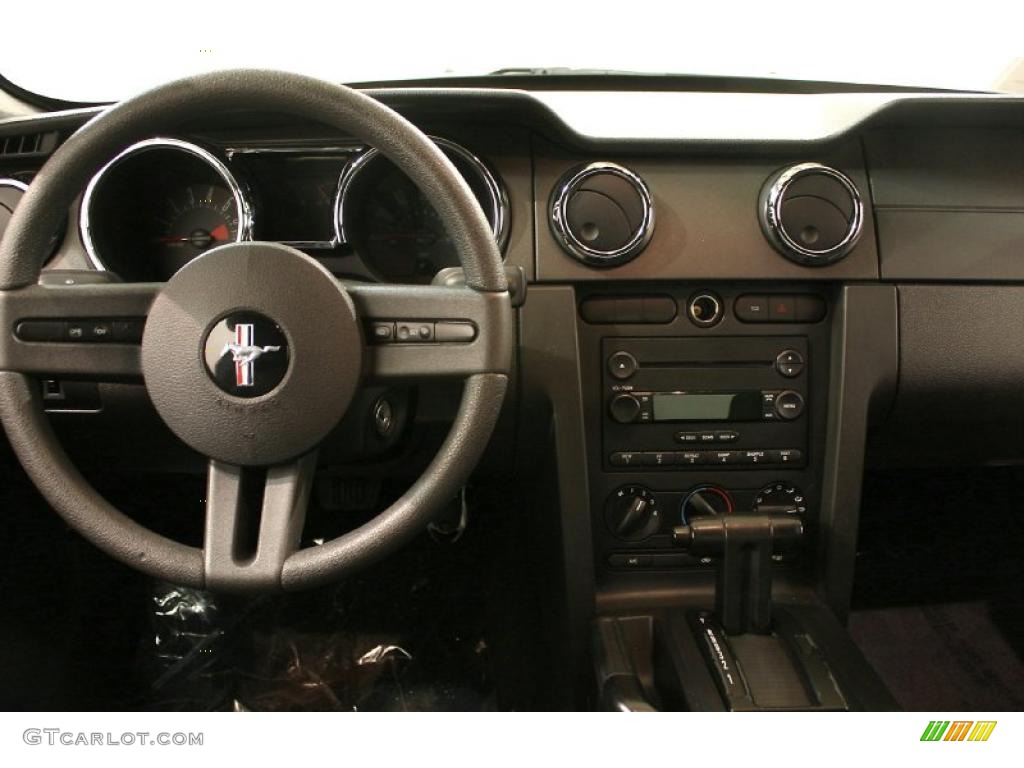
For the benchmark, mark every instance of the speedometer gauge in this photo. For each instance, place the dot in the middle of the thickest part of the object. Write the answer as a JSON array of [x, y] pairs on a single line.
[[158, 205], [392, 225]]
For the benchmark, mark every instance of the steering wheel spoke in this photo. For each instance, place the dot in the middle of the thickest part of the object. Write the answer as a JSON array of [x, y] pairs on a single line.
[[80, 330], [415, 332], [254, 520]]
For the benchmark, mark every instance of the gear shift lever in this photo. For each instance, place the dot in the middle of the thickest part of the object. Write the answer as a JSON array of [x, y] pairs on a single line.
[[744, 545]]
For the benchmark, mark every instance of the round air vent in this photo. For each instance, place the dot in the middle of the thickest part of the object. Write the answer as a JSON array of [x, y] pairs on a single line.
[[602, 214], [811, 213]]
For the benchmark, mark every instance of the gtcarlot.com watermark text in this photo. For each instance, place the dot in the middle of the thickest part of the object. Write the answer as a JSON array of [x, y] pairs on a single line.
[[54, 737]]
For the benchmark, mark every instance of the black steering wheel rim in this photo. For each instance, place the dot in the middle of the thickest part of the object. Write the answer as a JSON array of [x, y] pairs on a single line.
[[21, 258]]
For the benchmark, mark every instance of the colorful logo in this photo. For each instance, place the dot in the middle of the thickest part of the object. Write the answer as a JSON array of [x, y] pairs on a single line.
[[958, 730]]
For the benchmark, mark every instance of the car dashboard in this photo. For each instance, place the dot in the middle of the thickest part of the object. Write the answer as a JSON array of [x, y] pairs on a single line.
[[733, 302]]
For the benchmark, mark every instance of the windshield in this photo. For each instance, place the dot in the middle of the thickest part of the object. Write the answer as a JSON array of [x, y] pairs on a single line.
[[107, 52]]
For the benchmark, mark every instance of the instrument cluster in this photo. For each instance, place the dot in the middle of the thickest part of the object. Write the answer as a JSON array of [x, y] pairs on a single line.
[[165, 201]]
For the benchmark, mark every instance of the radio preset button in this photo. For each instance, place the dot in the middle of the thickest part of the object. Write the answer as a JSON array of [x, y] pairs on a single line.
[[755, 457], [723, 457], [625, 459], [789, 405], [691, 458], [658, 458], [622, 365], [787, 456]]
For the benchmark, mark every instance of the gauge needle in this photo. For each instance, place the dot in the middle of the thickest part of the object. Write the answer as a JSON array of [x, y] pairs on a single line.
[[217, 233]]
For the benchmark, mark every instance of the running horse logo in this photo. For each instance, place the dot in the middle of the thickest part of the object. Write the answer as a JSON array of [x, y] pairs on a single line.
[[244, 354]]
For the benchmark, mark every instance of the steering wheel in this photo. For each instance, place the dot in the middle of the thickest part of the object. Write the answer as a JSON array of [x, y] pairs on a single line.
[[285, 323]]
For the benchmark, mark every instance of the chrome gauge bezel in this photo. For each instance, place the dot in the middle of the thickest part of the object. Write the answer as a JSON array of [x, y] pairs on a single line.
[[243, 204], [558, 214], [498, 215], [772, 216]]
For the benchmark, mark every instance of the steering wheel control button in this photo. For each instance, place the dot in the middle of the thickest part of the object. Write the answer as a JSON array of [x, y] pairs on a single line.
[[789, 363], [99, 330], [415, 332], [382, 333], [94, 331], [246, 354], [622, 365], [789, 405], [454, 331], [41, 330], [704, 309]]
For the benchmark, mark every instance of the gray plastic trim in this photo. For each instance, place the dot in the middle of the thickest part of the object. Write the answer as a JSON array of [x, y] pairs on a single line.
[[862, 382]]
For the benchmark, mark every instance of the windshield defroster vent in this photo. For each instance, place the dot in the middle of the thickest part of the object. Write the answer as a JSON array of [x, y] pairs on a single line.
[[28, 144]]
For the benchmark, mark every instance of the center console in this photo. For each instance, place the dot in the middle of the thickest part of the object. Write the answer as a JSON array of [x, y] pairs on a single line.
[[706, 410], [715, 409]]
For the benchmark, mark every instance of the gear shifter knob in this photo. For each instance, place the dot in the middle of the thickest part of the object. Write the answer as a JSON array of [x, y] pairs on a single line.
[[745, 544]]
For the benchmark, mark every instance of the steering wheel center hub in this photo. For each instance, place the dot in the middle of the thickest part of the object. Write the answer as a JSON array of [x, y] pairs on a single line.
[[252, 353]]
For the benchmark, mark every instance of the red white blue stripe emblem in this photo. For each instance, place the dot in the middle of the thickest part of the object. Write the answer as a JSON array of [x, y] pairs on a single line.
[[244, 370]]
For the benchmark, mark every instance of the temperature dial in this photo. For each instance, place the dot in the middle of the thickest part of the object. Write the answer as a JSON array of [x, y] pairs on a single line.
[[705, 501], [780, 499], [632, 513]]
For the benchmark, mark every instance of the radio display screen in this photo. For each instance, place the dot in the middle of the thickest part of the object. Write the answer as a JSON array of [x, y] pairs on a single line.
[[695, 406]]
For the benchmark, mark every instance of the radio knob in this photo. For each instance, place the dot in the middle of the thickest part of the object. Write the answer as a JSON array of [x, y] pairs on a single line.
[[789, 404], [625, 409]]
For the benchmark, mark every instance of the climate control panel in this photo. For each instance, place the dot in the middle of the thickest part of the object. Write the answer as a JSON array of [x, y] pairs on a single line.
[[640, 519]]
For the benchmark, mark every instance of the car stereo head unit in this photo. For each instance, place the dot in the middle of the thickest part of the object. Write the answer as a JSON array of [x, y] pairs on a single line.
[[750, 392]]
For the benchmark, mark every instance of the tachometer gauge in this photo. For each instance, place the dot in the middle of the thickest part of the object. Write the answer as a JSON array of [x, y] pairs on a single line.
[[195, 220], [158, 205]]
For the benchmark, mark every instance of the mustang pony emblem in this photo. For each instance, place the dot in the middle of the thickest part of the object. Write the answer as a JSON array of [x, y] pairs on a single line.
[[244, 353]]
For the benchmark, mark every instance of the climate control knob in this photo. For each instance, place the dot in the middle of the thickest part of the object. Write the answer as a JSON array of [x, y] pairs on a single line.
[[625, 409], [632, 513], [705, 501], [780, 499]]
